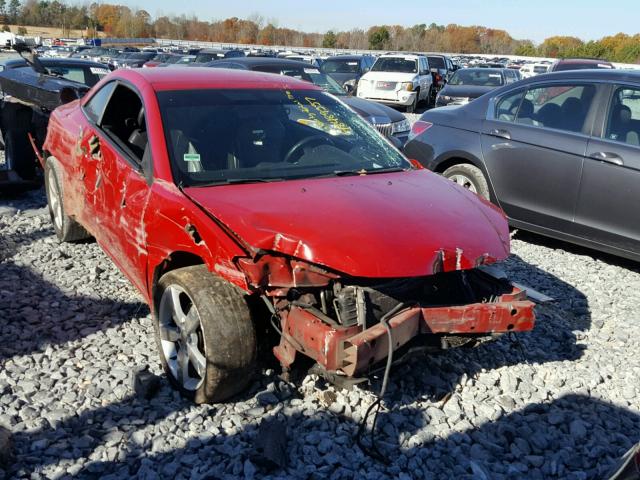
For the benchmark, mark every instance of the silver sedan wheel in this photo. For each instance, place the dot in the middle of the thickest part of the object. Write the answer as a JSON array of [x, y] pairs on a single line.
[[182, 338], [464, 181], [54, 199]]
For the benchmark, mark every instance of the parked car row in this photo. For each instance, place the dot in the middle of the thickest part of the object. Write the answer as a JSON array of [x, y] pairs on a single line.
[[199, 183]]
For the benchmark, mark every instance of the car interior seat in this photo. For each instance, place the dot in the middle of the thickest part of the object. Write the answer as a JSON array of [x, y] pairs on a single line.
[[620, 123], [572, 114], [525, 113], [259, 139], [138, 138], [549, 115]]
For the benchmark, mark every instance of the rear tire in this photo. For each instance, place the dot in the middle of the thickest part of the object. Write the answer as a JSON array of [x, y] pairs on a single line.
[[205, 334], [19, 154], [66, 228], [470, 177]]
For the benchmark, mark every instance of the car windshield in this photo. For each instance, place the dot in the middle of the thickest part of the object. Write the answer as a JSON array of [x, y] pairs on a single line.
[[141, 56], [395, 64], [436, 62], [340, 66], [540, 68], [208, 57], [316, 77], [217, 137], [187, 59], [478, 78]]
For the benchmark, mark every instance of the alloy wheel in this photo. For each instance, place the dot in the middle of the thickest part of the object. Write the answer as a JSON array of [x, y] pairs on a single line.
[[182, 338]]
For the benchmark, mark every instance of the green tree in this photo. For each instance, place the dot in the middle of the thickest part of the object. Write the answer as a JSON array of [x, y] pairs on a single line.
[[526, 49], [378, 38], [14, 10], [22, 31], [329, 40], [3, 10], [5, 28]]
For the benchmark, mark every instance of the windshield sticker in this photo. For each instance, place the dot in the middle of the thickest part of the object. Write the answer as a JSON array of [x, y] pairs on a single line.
[[99, 71], [318, 116], [352, 63], [312, 70], [191, 157]]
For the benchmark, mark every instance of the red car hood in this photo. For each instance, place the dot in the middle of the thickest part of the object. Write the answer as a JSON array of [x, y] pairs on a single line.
[[401, 224]]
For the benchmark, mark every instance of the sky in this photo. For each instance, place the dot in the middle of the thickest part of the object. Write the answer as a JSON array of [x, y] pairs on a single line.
[[523, 19]]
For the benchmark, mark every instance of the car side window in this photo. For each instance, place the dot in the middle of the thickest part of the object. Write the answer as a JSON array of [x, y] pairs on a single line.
[[95, 106], [623, 122], [124, 122], [507, 107], [560, 107]]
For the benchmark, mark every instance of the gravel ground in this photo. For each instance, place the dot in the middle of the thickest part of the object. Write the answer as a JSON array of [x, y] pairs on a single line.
[[559, 402]]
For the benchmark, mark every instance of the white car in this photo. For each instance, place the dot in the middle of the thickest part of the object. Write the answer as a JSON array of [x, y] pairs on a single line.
[[398, 79], [533, 69]]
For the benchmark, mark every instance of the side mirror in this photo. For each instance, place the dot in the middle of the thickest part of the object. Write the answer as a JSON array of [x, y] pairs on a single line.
[[348, 88]]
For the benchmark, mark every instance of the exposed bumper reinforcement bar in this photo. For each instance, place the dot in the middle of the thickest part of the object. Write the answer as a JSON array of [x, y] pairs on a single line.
[[350, 350]]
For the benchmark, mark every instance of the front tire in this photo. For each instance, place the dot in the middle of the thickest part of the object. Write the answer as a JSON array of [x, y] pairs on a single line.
[[205, 334], [414, 106], [470, 177], [66, 228]]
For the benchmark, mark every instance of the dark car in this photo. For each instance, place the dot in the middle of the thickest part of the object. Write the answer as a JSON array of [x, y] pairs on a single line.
[[580, 64], [470, 83], [136, 60], [387, 121], [347, 69], [83, 71], [28, 94], [491, 65], [207, 55], [162, 58], [560, 153], [98, 54], [442, 68]]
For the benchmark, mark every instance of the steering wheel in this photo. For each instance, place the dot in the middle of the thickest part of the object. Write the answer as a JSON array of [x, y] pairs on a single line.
[[320, 139]]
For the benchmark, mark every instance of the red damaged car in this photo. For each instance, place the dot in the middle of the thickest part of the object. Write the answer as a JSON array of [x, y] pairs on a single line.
[[218, 192]]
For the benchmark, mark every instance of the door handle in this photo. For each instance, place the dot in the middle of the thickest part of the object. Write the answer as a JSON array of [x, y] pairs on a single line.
[[499, 132], [608, 157]]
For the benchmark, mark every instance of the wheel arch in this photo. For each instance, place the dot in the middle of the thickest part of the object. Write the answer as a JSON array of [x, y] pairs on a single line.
[[173, 261], [457, 158]]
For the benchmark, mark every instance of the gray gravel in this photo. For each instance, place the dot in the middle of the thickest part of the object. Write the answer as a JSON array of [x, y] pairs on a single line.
[[559, 402]]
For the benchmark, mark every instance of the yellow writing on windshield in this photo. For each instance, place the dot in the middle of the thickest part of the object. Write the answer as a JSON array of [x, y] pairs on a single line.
[[318, 116]]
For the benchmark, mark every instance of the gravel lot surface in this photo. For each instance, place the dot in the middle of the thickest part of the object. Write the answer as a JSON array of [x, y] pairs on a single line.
[[560, 402]]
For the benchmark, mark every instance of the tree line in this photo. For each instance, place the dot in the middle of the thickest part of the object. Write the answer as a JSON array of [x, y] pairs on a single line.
[[122, 21]]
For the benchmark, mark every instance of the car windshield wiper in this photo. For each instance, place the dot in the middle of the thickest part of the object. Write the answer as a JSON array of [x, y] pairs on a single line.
[[235, 181], [364, 171]]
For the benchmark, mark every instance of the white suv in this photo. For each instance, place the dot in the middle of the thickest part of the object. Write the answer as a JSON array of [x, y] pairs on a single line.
[[398, 79]]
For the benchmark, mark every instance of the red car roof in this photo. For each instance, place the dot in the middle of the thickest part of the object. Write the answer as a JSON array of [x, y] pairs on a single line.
[[188, 78]]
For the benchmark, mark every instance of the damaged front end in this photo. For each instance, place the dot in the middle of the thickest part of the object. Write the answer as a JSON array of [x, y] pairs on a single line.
[[338, 321]]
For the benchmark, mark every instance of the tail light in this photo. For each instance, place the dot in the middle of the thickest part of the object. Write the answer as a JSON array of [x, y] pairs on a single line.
[[419, 128]]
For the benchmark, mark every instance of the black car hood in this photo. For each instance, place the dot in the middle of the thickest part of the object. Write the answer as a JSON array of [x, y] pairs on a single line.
[[469, 91], [372, 111]]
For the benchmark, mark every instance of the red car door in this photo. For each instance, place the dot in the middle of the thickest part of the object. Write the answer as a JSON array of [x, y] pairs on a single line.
[[118, 197]]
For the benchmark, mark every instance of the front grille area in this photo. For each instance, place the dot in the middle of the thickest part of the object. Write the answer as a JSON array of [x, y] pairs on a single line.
[[386, 85], [385, 129]]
